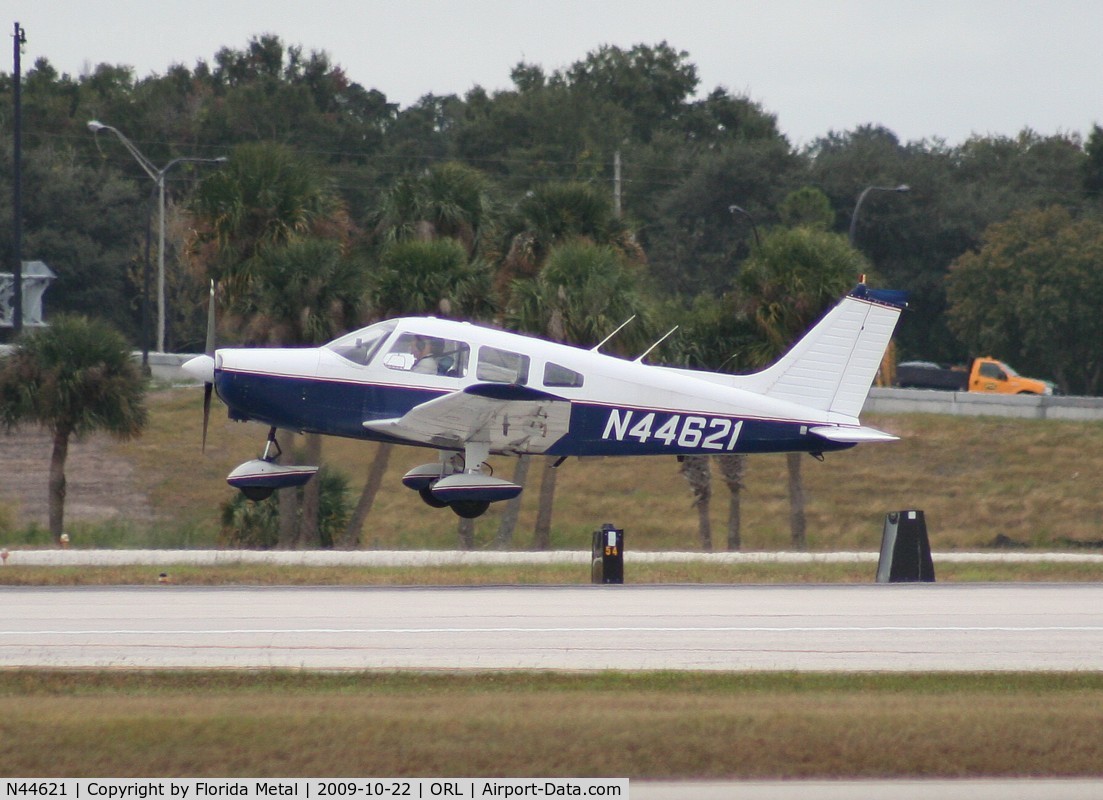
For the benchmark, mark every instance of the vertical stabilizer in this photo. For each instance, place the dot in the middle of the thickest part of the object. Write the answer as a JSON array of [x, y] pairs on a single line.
[[833, 366]]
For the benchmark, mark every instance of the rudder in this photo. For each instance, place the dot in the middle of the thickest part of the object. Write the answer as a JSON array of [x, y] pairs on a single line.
[[832, 367]]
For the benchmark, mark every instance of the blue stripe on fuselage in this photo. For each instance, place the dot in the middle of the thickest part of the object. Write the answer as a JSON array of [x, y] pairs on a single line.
[[339, 408], [336, 408]]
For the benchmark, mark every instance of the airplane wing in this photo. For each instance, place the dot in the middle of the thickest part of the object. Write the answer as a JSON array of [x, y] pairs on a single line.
[[508, 417]]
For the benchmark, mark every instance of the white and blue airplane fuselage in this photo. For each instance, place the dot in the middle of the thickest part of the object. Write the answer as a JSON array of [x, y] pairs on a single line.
[[471, 391]]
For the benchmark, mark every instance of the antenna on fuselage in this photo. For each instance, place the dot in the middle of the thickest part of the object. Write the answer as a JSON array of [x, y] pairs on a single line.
[[620, 327], [652, 347]]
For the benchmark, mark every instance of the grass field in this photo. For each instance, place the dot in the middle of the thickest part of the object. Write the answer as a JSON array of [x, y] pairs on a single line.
[[525, 574], [1037, 483], [651, 725]]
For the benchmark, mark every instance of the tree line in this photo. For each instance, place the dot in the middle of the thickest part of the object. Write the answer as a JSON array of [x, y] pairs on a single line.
[[687, 156], [560, 206]]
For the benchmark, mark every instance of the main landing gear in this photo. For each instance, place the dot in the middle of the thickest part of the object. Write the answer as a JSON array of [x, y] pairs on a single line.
[[451, 483]]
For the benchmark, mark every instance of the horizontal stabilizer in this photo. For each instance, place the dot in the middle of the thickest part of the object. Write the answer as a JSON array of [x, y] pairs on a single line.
[[851, 434]]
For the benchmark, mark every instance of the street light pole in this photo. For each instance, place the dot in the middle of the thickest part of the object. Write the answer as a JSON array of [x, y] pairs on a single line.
[[754, 228], [158, 176], [903, 187]]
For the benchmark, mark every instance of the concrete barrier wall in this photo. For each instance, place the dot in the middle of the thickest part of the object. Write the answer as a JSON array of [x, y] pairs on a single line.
[[930, 401], [166, 366]]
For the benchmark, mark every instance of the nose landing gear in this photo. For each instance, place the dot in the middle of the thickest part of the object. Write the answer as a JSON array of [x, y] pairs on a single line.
[[259, 478]]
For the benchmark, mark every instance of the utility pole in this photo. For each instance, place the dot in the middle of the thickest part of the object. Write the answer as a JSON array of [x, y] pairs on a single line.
[[616, 183], [19, 39]]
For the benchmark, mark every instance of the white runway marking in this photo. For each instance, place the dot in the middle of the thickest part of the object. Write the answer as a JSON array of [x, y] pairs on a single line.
[[589, 629]]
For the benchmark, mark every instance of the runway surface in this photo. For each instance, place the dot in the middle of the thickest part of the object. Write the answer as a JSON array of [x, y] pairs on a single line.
[[867, 627]]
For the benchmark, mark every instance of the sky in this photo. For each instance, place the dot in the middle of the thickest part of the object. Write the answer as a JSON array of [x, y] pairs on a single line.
[[924, 69]]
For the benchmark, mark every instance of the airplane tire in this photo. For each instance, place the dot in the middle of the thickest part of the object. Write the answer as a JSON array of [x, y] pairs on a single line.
[[427, 495], [257, 493], [469, 509]]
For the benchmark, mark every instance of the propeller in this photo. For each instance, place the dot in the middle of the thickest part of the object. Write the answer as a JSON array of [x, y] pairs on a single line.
[[208, 387], [202, 367]]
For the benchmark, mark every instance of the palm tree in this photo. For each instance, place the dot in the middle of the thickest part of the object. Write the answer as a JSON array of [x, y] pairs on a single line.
[[431, 229], [430, 277], [698, 474], [560, 212], [449, 205], [714, 336], [449, 200], [421, 277], [304, 293], [74, 377], [554, 215], [788, 283], [583, 292], [503, 540], [264, 196], [260, 223], [733, 469]]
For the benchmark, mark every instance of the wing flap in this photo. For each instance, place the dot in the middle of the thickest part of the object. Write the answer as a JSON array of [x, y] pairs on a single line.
[[509, 418]]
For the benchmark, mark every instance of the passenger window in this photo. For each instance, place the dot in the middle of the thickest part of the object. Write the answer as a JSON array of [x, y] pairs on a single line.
[[502, 366], [429, 355], [555, 375]]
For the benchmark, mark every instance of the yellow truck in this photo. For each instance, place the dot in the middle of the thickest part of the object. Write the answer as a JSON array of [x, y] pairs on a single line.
[[982, 375]]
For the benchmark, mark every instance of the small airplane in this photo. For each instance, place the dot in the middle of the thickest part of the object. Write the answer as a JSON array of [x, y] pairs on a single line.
[[470, 391]]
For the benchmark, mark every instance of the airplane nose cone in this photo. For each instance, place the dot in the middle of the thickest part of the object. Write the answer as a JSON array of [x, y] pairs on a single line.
[[201, 368]]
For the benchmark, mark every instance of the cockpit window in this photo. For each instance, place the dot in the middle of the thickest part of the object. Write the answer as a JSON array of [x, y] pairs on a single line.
[[502, 366], [429, 355], [555, 375], [360, 346]]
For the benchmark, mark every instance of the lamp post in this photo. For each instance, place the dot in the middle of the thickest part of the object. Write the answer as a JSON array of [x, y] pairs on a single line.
[[158, 176], [903, 187], [754, 228]]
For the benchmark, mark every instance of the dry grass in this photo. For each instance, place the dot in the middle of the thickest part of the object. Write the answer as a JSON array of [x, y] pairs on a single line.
[[522, 574], [1037, 482], [654, 725]]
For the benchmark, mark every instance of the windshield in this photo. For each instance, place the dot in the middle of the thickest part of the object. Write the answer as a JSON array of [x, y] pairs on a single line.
[[360, 346]]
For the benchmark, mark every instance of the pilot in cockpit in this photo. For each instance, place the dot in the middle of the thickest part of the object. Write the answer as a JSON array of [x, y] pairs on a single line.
[[422, 349]]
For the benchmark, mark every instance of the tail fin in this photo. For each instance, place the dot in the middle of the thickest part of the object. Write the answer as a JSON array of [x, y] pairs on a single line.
[[832, 367]]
